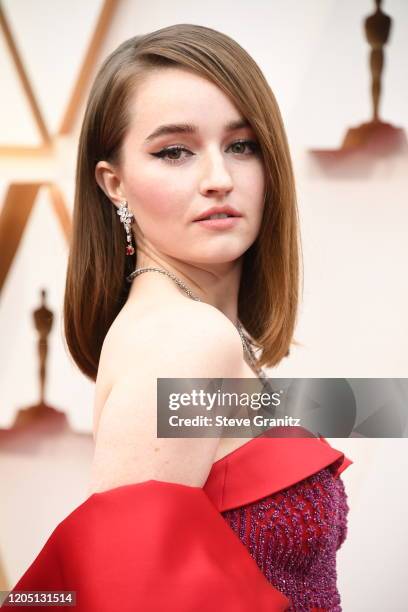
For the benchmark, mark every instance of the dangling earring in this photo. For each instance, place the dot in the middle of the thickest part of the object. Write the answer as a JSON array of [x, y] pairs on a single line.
[[127, 219]]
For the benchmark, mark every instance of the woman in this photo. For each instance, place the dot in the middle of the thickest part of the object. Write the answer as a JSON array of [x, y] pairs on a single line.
[[181, 125]]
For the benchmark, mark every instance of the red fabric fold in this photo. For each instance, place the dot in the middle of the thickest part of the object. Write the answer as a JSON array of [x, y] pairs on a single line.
[[151, 546], [267, 464]]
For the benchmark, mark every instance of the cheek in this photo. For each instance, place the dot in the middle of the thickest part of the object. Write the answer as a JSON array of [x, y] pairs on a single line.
[[150, 198], [260, 180], [253, 185]]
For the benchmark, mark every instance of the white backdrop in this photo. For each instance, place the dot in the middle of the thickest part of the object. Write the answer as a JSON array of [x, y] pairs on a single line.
[[353, 319]]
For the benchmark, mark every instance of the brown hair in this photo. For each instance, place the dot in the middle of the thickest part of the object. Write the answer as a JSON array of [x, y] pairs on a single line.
[[96, 287]]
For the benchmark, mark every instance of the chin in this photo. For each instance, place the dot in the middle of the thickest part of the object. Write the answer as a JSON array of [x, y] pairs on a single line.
[[216, 259], [206, 253]]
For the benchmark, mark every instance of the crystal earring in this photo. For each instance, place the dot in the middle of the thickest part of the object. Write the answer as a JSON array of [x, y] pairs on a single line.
[[127, 219]]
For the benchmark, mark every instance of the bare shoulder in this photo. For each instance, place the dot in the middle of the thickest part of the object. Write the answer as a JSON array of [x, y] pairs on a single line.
[[183, 340], [176, 329], [198, 331]]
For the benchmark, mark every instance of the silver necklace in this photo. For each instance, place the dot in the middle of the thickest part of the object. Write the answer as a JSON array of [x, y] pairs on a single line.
[[245, 343]]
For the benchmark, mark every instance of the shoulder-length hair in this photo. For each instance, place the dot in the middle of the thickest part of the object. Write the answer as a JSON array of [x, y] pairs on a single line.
[[96, 286]]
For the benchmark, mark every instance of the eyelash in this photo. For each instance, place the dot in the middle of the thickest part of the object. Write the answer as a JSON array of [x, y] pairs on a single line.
[[163, 152]]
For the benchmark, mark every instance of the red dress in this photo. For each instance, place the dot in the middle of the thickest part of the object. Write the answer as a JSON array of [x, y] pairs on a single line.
[[158, 546], [292, 522]]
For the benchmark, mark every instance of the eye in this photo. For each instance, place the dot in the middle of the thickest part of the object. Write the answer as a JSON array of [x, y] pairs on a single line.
[[253, 146], [172, 154]]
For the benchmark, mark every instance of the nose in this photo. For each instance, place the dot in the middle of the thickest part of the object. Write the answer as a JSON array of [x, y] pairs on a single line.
[[215, 177]]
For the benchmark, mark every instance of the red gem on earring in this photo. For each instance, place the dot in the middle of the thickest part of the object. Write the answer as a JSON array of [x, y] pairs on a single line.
[[129, 250]]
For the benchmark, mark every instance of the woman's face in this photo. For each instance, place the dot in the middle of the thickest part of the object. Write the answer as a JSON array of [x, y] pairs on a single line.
[[171, 176]]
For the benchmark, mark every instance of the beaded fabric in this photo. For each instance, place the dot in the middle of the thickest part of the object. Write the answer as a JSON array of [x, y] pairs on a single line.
[[294, 534]]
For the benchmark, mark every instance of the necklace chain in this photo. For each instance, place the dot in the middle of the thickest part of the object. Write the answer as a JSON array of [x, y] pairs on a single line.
[[245, 343]]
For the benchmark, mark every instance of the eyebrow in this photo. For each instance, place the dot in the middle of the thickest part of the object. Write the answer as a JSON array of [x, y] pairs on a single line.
[[188, 128]]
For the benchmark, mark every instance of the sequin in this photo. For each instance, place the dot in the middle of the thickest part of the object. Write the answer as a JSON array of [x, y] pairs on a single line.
[[294, 535]]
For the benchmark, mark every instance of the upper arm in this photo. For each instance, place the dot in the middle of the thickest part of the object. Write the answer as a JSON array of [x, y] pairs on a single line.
[[201, 345]]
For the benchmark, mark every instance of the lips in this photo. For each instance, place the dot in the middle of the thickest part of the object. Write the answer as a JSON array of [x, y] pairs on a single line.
[[216, 210], [226, 223]]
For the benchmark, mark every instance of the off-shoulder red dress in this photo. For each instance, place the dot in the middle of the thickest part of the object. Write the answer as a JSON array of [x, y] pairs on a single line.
[[292, 519], [260, 536]]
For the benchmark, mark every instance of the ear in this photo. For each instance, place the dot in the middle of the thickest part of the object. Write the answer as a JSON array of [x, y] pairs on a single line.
[[108, 179]]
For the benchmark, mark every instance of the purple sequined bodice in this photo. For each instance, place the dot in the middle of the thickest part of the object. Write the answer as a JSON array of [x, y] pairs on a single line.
[[294, 534]]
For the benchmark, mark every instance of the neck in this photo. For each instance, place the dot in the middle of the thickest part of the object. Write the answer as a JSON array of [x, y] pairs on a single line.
[[214, 284]]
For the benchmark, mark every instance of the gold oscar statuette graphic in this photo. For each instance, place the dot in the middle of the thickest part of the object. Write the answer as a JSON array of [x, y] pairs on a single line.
[[43, 319], [375, 136]]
